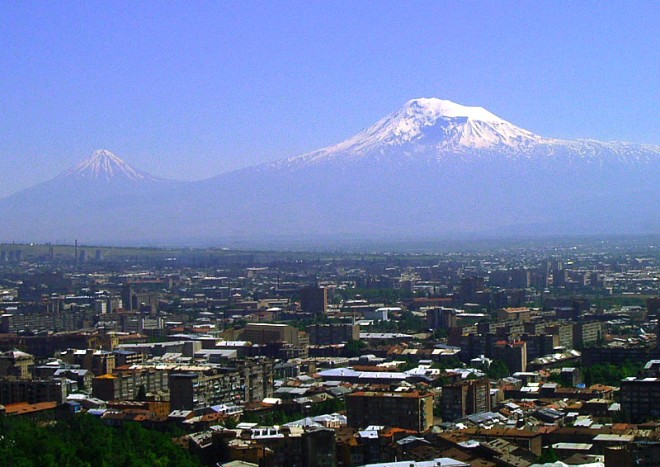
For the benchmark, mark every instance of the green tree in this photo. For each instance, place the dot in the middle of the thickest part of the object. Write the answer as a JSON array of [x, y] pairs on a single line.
[[354, 348], [548, 456], [449, 362], [84, 440], [609, 374], [498, 369]]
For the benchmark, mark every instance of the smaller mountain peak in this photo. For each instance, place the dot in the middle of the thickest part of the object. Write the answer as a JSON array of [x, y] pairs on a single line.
[[105, 165], [445, 108]]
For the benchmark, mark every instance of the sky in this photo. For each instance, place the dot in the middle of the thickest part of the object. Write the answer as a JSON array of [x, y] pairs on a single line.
[[188, 90]]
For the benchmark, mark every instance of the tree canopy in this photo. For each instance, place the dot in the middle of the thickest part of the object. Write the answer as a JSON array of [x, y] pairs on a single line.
[[609, 374], [84, 440]]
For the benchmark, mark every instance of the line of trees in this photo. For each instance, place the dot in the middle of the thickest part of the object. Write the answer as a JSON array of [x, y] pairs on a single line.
[[84, 440]]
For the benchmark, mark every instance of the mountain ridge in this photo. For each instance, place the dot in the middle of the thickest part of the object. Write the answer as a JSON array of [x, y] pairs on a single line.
[[103, 164], [440, 129], [430, 169]]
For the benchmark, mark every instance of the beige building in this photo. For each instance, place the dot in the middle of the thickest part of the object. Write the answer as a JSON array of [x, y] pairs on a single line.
[[523, 314], [267, 333], [16, 363]]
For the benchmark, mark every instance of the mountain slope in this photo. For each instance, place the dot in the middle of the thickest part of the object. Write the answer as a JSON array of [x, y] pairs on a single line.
[[431, 169], [436, 168], [102, 198]]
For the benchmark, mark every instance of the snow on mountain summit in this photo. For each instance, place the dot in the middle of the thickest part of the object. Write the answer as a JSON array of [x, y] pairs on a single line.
[[434, 127], [104, 165], [448, 125], [443, 108]]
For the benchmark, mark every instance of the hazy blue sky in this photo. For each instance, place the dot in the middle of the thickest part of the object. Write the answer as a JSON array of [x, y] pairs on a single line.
[[192, 89]]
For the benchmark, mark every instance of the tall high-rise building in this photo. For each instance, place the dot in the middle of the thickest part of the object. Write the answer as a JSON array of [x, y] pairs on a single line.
[[470, 287], [101, 306], [465, 398], [314, 300], [329, 334], [441, 318], [558, 273], [653, 309], [141, 296], [639, 399], [513, 354]]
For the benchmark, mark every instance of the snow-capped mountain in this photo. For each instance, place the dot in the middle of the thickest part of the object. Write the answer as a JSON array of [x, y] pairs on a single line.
[[431, 169], [104, 165], [435, 126], [436, 168], [436, 129], [102, 198]]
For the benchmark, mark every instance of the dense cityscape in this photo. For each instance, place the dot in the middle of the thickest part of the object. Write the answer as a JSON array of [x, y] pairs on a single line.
[[509, 355], [329, 234]]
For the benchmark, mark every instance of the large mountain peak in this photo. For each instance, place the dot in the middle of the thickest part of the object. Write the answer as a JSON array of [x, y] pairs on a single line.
[[446, 125], [435, 128], [104, 165]]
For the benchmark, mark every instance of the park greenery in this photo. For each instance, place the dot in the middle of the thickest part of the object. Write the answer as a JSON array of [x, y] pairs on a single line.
[[610, 374], [605, 373], [498, 370], [84, 440]]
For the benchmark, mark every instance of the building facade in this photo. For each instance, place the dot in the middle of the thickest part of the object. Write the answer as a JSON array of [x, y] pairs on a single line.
[[639, 399], [408, 410], [465, 398]]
